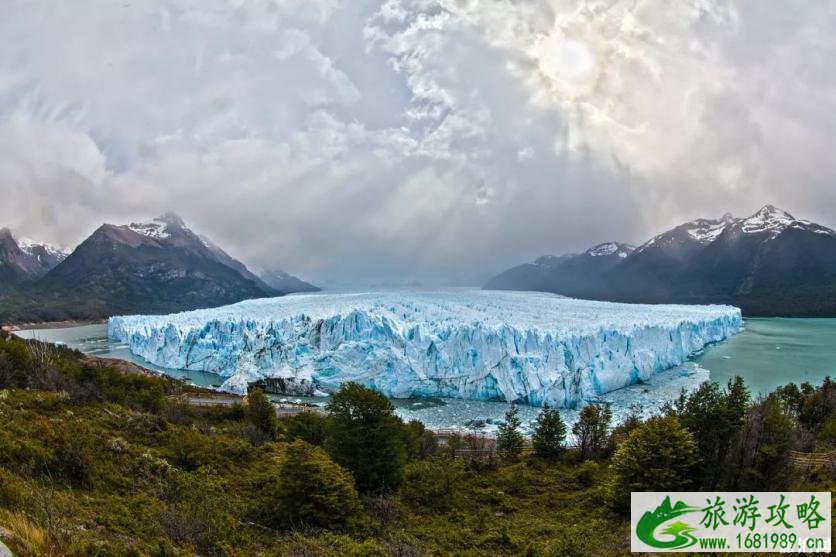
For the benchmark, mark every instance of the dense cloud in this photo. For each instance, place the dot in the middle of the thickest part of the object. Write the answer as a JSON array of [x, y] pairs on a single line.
[[438, 140]]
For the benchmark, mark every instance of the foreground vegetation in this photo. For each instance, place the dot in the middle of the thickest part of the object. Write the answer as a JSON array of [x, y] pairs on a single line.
[[97, 462]]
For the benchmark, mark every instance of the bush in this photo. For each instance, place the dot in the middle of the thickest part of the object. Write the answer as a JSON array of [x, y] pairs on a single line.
[[96, 383], [365, 437], [658, 456], [432, 485], [310, 490], [189, 450], [197, 511], [586, 473], [549, 433]]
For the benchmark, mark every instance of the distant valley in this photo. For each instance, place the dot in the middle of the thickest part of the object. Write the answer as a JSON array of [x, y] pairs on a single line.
[[157, 266], [768, 264]]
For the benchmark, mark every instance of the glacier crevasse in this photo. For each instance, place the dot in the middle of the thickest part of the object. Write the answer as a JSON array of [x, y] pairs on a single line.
[[531, 348]]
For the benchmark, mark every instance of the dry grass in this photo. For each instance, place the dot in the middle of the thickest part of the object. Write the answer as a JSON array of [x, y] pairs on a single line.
[[28, 538]]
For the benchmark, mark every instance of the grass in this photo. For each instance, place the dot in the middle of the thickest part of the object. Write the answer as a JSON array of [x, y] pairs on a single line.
[[139, 482]]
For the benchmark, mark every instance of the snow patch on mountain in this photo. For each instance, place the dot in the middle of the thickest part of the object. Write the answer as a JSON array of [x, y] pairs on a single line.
[[706, 231], [813, 227], [610, 248], [154, 229], [526, 347], [769, 219], [39, 249]]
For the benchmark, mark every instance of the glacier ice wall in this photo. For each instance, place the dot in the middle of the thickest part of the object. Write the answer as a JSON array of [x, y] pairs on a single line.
[[531, 348]]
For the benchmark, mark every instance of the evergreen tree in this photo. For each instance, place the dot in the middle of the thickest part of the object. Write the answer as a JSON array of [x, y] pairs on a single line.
[[307, 426], [261, 414], [549, 433], [715, 419], [592, 429], [364, 436], [657, 456], [509, 442], [309, 490], [760, 457]]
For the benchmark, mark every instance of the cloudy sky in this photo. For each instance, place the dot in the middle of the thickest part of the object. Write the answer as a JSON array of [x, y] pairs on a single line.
[[437, 140]]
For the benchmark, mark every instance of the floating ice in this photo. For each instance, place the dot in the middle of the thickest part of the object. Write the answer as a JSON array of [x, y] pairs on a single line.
[[531, 348]]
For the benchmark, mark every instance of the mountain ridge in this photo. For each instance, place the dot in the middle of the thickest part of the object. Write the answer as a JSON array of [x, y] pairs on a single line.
[[157, 266], [769, 263], [22, 259]]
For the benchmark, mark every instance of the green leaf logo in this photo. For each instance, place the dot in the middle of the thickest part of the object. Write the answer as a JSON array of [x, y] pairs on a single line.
[[681, 531]]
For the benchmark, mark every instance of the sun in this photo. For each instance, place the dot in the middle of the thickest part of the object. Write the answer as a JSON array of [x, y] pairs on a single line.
[[571, 65]]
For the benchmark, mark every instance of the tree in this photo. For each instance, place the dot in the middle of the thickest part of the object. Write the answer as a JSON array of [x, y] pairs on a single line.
[[657, 456], [760, 457], [714, 417], [591, 429], [811, 406], [509, 441], [549, 433], [309, 490], [364, 436], [261, 414], [307, 426]]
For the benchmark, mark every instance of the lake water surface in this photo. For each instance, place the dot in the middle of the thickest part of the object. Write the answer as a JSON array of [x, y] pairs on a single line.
[[768, 353]]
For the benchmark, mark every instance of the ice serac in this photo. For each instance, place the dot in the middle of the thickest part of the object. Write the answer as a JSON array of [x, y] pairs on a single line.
[[531, 348]]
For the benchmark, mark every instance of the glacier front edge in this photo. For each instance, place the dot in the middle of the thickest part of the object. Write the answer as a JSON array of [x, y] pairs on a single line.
[[523, 347]]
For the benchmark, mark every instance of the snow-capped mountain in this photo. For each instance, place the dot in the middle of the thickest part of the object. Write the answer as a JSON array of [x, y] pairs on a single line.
[[571, 274], [769, 263], [22, 259]]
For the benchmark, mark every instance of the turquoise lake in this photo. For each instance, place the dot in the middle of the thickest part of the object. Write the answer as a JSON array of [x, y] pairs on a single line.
[[772, 352]]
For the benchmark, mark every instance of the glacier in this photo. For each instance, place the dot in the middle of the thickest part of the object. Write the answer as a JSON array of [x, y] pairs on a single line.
[[524, 347]]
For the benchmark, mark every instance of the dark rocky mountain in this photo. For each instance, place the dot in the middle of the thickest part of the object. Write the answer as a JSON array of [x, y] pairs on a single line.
[[653, 267], [159, 266], [24, 260], [285, 282], [767, 264]]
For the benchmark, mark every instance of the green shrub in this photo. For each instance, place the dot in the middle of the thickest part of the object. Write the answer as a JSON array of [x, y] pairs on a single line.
[[432, 485], [96, 383], [308, 426], [188, 449], [586, 473], [658, 456], [309, 490]]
